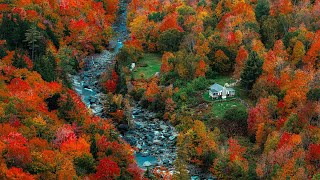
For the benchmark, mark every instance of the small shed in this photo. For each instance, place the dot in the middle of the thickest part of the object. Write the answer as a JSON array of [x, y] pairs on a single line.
[[217, 91]]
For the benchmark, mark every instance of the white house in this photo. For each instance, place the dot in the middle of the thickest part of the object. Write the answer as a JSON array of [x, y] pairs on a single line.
[[217, 91]]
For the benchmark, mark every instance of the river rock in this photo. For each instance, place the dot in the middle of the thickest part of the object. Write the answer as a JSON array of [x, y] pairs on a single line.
[[149, 134], [163, 127], [171, 138], [156, 133], [145, 153], [147, 164], [157, 142]]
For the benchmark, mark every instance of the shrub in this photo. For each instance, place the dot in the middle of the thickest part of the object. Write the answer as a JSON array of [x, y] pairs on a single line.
[[170, 40], [236, 116], [84, 165]]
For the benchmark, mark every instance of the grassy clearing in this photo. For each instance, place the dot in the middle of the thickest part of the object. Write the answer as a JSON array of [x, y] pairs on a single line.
[[148, 65], [221, 79], [219, 108]]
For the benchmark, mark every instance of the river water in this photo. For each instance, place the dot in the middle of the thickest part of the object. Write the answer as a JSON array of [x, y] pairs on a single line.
[[154, 139]]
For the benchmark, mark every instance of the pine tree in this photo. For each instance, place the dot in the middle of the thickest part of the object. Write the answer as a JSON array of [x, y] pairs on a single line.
[[262, 9], [93, 147], [18, 61], [32, 37], [46, 66], [252, 70]]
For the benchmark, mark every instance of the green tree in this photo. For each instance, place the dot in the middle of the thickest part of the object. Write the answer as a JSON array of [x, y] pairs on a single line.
[[262, 9], [236, 117], [18, 61], [84, 165], [13, 30], [33, 36], [293, 124], [93, 147], [170, 40], [314, 94], [46, 66], [251, 71], [269, 31], [156, 16]]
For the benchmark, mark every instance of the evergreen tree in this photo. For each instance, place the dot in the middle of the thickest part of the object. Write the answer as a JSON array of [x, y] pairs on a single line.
[[269, 31], [46, 67], [170, 40], [93, 147], [252, 70], [33, 36], [18, 61], [262, 9], [13, 30]]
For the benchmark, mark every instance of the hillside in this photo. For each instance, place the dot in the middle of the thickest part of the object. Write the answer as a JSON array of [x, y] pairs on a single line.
[[159, 89]]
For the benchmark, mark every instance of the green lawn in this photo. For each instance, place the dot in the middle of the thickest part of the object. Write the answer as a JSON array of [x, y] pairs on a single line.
[[148, 65], [222, 79], [220, 108]]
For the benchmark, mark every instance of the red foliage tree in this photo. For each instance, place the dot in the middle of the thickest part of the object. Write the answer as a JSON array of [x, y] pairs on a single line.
[[170, 22], [17, 151], [107, 170], [17, 85], [235, 150], [241, 58], [165, 65], [63, 134], [314, 152], [17, 173], [135, 171], [285, 139], [111, 84]]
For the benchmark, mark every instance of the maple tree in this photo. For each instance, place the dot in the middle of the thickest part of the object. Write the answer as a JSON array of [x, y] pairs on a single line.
[[272, 46], [17, 173], [201, 70], [165, 64], [170, 22], [241, 58], [152, 89], [107, 169]]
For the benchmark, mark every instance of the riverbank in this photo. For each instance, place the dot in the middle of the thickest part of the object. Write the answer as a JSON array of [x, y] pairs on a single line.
[[154, 140]]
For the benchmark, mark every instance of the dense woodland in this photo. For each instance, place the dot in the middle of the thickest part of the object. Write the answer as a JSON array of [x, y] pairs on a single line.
[[46, 131], [270, 48]]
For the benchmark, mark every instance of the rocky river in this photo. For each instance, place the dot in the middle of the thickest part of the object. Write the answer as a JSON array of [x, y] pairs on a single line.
[[153, 139]]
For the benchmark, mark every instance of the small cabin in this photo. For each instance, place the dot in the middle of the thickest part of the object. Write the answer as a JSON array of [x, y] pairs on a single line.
[[217, 91]]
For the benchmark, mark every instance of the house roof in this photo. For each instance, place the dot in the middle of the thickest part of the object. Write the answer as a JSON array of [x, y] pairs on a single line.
[[217, 88]]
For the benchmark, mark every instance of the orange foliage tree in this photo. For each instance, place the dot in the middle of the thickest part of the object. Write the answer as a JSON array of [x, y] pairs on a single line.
[[241, 58], [202, 69]]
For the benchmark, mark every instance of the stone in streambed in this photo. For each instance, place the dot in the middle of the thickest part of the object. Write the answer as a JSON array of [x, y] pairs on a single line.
[[171, 138], [123, 127], [146, 164], [144, 153], [157, 142]]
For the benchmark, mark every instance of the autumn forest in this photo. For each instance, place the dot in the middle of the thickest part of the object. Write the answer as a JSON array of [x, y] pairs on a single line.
[[159, 89]]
